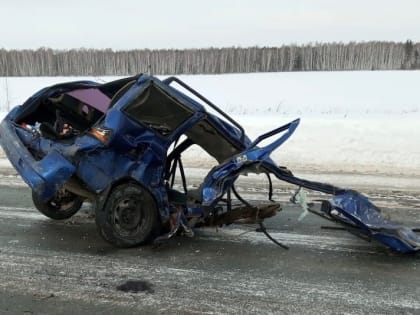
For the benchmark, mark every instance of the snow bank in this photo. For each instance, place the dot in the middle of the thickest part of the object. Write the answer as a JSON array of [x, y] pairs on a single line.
[[351, 122]]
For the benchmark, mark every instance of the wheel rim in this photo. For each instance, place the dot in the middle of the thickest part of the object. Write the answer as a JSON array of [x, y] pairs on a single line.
[[63, 201], [128, 216]]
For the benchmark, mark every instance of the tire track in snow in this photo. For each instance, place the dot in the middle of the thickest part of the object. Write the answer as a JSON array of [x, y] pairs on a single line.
[[93, 278]]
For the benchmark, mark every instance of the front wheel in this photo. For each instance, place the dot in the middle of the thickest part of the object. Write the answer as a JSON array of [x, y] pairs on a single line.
[[62, 206], [129, 217]]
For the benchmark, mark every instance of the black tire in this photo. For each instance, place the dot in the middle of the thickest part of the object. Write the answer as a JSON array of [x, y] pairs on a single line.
[[63, 206], [129, 217]]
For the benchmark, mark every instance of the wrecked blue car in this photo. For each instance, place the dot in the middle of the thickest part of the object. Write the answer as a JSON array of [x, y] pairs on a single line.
[[120, 145]]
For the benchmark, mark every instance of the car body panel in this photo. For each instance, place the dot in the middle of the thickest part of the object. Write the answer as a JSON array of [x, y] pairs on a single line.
[[44, 176]]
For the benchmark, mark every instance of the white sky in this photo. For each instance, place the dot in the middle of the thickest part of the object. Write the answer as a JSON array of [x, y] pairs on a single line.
[[128, 24]]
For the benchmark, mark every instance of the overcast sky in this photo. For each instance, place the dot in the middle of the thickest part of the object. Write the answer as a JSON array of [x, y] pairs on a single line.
[[128, 24]]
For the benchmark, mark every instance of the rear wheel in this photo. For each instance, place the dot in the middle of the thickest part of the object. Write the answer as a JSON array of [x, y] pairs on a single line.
[[129, 217], [62, 206]]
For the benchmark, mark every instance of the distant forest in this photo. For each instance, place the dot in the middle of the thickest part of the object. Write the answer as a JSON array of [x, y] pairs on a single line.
[[374, 55]]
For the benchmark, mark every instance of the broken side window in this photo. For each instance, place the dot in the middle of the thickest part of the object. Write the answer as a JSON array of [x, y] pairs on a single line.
[[158, 111]]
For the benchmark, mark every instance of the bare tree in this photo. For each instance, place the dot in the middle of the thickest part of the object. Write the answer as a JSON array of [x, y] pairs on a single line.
[[372, 55]]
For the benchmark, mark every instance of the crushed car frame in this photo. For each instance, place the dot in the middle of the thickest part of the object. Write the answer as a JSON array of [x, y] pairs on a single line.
[[120, 145]]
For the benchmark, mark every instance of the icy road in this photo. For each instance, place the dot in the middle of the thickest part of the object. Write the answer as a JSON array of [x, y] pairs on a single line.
[[50, 267]]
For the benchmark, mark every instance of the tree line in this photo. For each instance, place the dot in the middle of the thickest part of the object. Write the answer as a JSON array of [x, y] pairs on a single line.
[[373, 55]]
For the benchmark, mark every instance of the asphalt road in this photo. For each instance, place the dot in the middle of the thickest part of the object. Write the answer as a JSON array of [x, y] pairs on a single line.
[[50, 267]]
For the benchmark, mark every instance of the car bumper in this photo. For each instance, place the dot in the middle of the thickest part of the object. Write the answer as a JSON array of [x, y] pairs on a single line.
[[45, 176]]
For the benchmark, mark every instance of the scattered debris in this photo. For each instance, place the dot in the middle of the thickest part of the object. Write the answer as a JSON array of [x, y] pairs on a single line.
[[135, 286]]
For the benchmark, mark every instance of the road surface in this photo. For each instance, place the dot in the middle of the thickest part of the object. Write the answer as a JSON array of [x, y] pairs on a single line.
[[50, 267]]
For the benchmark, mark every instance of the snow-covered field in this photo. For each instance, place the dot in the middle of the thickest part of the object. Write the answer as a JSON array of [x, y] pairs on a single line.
[[351, 122]]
